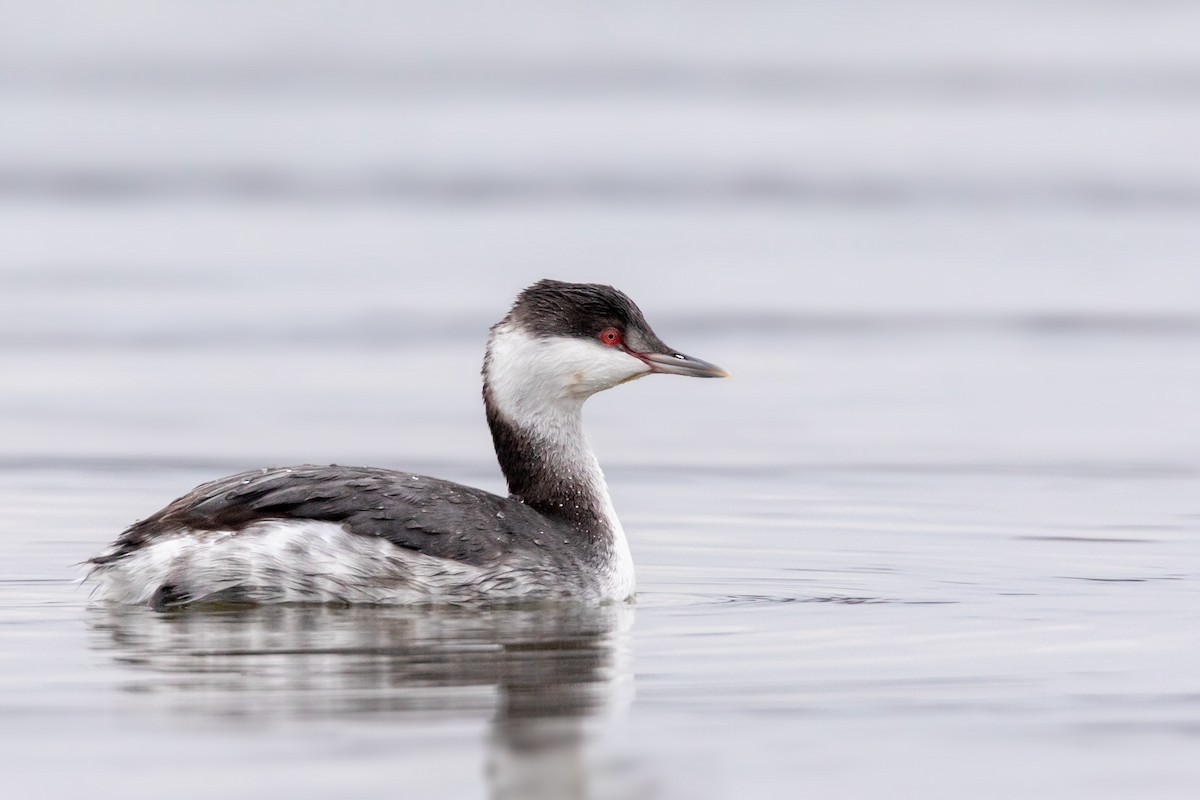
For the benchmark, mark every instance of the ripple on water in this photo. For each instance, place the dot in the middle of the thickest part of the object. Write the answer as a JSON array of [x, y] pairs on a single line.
[[685, 599]]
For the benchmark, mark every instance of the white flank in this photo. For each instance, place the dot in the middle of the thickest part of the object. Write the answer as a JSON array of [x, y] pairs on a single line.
[[283, 561]]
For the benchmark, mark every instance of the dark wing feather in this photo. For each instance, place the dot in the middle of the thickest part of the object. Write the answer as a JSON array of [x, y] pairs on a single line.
[[416, 512]]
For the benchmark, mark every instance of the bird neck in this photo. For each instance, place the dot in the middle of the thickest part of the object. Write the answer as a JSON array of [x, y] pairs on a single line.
[[549, 464], [537, 428]]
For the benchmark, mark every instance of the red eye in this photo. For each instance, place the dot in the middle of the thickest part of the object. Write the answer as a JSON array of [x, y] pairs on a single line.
[[610, 336]]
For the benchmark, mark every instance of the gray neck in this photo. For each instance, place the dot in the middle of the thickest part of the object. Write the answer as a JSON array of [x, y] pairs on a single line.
[[551, 466], [535, 411], [536, 418]]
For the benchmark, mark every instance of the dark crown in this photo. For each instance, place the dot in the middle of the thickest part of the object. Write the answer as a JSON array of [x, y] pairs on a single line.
[[557, 308]]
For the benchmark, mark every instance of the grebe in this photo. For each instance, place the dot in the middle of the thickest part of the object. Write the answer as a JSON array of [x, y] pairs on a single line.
[[369, 535]]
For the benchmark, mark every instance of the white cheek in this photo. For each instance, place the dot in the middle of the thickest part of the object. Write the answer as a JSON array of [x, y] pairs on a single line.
[[605, 367], [533, 370]]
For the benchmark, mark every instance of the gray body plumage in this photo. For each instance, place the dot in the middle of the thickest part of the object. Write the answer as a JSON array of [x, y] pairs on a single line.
[[275, 535], [418, 513]]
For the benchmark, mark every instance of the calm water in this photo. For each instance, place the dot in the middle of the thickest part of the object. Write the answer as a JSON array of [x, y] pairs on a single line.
[[939, 536], [952, 625]]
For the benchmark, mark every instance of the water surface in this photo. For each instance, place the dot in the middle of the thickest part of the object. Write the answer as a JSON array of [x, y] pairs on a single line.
[[835, 625]]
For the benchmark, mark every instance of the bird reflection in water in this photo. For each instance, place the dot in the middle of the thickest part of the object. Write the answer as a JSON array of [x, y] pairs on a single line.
[[539, 674]]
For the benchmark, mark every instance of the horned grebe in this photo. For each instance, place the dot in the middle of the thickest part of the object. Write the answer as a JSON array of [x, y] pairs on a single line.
[[369, 535]]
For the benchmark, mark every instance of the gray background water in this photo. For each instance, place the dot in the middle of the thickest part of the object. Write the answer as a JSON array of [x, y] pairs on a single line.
[[939, 535]]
